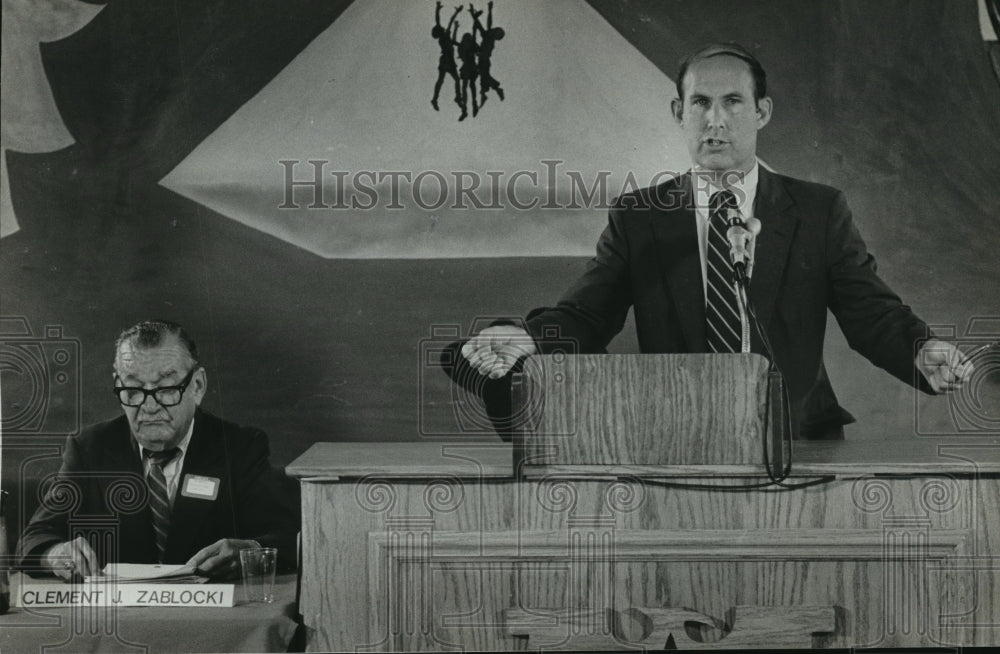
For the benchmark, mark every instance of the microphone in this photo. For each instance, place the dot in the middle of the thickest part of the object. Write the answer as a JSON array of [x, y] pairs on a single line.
[[740, 235]]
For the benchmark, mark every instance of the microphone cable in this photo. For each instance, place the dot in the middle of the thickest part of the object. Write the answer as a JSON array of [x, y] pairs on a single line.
[[775, 376], [777, 396]]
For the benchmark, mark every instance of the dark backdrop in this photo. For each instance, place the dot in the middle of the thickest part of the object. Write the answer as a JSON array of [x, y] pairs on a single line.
[[894, 102]]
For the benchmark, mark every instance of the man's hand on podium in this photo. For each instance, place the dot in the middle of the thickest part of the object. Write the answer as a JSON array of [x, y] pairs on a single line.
[[944, 365], [495, 350]]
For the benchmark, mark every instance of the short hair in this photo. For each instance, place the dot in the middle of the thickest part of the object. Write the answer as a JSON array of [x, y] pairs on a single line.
[[731, 49], [151, 333]]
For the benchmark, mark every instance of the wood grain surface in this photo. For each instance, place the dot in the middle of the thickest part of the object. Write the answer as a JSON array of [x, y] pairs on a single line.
[[432, 564], [669, 628], [643, 409], [332, 460]]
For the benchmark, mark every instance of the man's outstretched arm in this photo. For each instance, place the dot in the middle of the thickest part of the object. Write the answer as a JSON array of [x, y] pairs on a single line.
[[875, 321], [589, 314]]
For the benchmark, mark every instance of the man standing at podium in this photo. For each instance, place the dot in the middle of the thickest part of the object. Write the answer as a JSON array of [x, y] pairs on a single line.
[[665, 253], [175, 484]]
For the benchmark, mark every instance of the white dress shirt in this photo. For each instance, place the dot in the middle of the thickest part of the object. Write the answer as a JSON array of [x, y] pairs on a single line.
[[171, 471], [745, 192]]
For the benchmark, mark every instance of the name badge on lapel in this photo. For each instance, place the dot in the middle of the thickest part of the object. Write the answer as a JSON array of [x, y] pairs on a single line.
[[200, 488]]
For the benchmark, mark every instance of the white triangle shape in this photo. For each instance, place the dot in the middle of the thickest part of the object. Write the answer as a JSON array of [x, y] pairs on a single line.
[[358, 99]]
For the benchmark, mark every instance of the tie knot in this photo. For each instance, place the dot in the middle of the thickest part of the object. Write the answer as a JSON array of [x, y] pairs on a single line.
[[722, 200], [161, 458]]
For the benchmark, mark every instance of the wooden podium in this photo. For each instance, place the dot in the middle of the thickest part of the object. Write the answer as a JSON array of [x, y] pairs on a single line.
[[658, 410], [604, 535]]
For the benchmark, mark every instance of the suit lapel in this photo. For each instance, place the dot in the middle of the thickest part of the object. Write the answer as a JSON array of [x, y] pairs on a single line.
[[203, 458], [775, 209], [676, 234], [136, 543]]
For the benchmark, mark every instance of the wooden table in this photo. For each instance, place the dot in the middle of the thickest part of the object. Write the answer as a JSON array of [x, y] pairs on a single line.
[[433, 546], [242, 628]]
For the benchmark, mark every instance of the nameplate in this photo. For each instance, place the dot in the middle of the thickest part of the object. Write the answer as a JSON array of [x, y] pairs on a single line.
[[111, 594]]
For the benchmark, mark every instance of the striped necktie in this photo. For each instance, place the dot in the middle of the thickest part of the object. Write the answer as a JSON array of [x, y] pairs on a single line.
[[159, 496], [724, 327]]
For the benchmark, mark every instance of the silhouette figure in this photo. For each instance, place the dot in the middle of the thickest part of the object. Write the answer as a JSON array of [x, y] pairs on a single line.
[[447, 38], [467, 51], [489, 37]]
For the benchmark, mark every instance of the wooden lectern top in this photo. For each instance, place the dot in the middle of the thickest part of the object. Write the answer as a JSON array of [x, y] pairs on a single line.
[[842, 459]]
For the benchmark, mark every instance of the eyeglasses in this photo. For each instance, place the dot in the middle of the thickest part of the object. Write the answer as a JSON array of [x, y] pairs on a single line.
[[165, 395]]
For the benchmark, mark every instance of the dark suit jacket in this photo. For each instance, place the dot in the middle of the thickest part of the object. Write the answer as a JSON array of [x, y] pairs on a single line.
[[101, 484], [809, 257]]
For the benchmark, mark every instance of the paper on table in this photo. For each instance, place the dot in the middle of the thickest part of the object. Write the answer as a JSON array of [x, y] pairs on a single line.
[[148, 572]]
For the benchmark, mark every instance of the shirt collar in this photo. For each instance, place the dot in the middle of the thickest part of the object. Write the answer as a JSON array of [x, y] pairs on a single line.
[[182, 446], [745, 189]]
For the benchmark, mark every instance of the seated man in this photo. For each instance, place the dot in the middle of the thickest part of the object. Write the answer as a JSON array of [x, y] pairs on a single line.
[[174, 483]]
